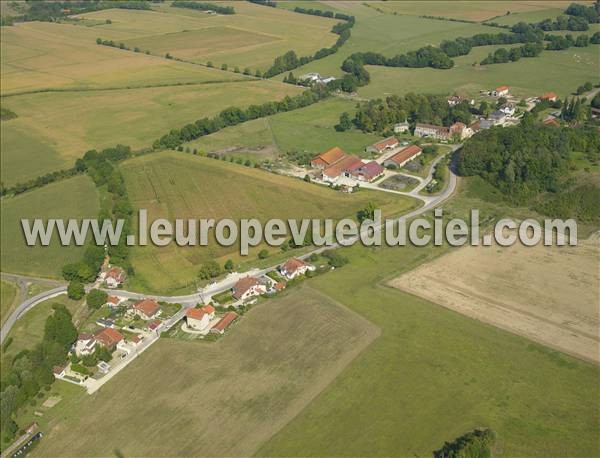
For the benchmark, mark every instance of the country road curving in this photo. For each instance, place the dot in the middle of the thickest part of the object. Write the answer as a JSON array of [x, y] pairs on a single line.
[[190, 300]]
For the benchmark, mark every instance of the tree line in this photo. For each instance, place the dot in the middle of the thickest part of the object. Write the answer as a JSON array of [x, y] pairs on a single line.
[[26, 375], [433, 57], [234, 115], [202, 6], [290, 61], [530, 164], [100, 166], [477, 443], [381, 114], [270, 3]]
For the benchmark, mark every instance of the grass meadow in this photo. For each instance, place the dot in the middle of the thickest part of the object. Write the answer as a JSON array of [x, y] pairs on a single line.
[[563, 72], [221, 398], [66, 124], [470, 11], [435, 374], [72, 198], [175, 185], [307, 129], [8, 297]]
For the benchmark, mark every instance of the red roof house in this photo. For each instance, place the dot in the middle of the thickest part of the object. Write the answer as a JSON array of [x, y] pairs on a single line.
[[108, 337], [248, 287], [294, 267], [341, 167], [147, 308], [549, 96]]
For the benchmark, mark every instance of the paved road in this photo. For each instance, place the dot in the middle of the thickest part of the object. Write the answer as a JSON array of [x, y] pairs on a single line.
[[204, 295]]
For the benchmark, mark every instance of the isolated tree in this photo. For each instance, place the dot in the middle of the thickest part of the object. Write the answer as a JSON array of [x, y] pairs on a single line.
[[75, 290], [229, 266], [263, 254], [96, 298]]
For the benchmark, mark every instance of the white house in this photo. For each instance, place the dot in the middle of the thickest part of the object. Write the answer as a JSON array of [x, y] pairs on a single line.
[[401, 127], [85, 345], [248, 287], [500, 91], [508, 110], [294, 267], [199, 319]]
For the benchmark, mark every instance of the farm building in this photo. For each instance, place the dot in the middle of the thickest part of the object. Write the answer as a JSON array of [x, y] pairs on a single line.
[[383, 145], [429, 130], [328, 158], [199, 319], [248, 287], [500, 91], [115, 277], [341, 168], [224, 323], [108, 337], [294, 267], [401, 127], [367, 172], [403, 156], [146, 309]]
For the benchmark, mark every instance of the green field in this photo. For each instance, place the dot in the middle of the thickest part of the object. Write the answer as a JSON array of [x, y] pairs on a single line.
[[29, 329], [252, 37], [435, 374], [389, 35], [72, 198], [307, 129], [468, 10], [563, 71], [175, 185], [8, 297], [71, 123], [246, 386]]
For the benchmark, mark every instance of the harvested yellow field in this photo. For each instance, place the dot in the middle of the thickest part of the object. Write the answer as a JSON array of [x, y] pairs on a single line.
[[548, 294]]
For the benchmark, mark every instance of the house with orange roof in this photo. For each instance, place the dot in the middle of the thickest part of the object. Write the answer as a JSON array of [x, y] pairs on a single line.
[[113, 301], [500, 91], [108, 337], [383, 145], [328, 158], [199, 318], [403, 156], [248, 287], [146, 309], [224, 323], [114, 277], [549, 96], [295, 267]]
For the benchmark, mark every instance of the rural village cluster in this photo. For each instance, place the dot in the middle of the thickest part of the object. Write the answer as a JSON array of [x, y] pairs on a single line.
[[128, 323]]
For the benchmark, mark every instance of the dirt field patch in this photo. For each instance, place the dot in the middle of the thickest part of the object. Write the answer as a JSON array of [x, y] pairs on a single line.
[[548, 294], [224, 398], [51, 402]]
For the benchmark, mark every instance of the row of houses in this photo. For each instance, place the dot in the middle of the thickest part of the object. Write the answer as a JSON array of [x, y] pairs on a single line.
[[335, 163]]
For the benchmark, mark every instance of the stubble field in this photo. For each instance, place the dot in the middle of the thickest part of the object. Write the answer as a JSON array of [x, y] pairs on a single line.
[[224, 398]]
